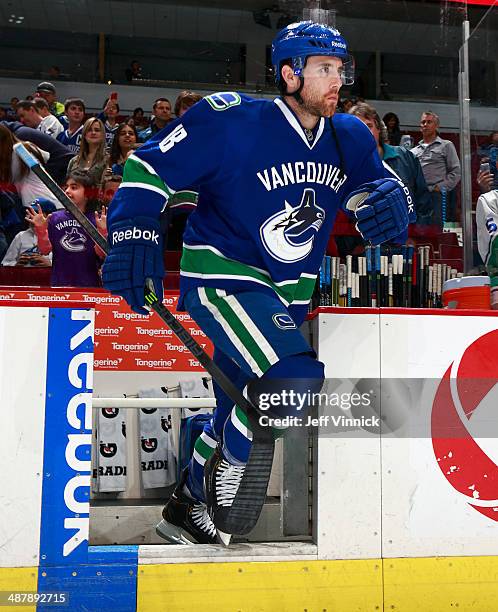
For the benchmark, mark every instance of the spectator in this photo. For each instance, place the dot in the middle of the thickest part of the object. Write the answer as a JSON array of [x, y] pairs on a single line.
[[161, 111], [54, 72], [185, 100], [13, 172], [134, 71], [59, 154], [12, 110], [346, 105], [92, 158], [485, 181], [75, 114], [109, 118], [138, 118], [12, 215], [75, 262], [28, 115], [400, 160], [49, 125], [391, 122], [3, 113], [109, 188], [23, 250], [47, 90], [126, 136], [441, 168]]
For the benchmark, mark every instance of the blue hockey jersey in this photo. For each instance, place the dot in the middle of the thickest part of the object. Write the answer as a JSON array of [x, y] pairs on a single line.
[[72, 141], [269, 191]]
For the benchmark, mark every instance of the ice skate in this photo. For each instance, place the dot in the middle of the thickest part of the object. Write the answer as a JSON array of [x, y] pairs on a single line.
[[186, 520], [231, 513]]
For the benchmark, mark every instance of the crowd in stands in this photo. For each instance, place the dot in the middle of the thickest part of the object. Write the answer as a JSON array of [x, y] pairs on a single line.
[[86, 155]]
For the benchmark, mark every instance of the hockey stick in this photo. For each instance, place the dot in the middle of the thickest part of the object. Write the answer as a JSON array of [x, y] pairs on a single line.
[[248, 502]]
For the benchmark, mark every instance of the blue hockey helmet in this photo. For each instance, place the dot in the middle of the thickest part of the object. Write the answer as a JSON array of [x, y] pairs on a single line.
[[298, 41]]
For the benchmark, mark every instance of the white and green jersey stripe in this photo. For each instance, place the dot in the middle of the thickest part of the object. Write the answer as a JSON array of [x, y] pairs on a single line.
[[211, 268]]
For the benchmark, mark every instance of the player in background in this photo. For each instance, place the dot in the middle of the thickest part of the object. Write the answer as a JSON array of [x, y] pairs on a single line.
[[271, 177], [74, 117], [487, 238]]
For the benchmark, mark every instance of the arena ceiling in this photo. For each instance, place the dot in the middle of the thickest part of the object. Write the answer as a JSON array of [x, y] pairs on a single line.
[[225, 19]]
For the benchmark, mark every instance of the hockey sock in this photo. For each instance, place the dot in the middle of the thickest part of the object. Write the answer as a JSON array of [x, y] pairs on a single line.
[[203, 449], [300, 373]]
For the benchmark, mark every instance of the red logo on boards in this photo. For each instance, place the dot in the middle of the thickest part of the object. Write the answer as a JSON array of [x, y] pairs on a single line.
[[464, 393]]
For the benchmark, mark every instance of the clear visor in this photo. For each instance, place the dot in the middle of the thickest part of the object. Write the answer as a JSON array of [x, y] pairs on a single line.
[[331, 67]]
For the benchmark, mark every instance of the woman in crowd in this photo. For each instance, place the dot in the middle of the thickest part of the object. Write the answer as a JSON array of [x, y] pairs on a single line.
[[92, 158], [124, 140], [14, 174], [391, 122], [185, 100], [405, 164], [75, 259], [138, 118]]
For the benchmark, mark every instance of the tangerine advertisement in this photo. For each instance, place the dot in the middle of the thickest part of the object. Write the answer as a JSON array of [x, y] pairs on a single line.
[[124, 341]]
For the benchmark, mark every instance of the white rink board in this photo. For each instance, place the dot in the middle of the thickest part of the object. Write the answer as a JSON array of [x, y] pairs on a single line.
[[347, 490], [23, 364], [412, 510], [423, 515]]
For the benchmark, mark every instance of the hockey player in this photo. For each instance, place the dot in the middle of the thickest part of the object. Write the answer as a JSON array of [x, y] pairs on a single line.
[[487, 238], [271, 177]]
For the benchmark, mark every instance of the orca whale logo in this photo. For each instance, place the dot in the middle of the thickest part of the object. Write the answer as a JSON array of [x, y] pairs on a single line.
[[288, 235], [74, 240]]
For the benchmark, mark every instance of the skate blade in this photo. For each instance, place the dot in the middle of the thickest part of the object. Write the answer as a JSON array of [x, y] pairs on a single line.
[[173, 534], [223, 538]]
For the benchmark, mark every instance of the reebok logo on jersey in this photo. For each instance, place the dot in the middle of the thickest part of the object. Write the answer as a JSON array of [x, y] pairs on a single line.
[[174, 137], [135, 234]]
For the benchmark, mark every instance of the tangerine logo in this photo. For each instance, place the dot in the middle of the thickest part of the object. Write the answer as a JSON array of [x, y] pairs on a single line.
[[462, 391]]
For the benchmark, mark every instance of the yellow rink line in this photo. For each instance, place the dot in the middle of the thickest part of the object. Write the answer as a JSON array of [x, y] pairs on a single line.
[[445, 584], [18, 579], [276, 586], [453, 584]]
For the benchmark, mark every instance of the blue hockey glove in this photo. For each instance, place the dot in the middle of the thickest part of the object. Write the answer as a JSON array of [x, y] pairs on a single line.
[[136, 256], [383, 209]]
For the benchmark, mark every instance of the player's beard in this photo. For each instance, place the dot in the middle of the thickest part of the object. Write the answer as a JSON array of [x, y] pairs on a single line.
[[315, 104]]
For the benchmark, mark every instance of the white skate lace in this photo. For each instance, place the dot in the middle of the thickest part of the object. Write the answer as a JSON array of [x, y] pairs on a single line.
[[228, 479], [201, 518]]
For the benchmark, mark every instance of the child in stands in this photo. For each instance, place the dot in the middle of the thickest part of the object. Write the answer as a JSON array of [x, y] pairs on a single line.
[[75, 260]]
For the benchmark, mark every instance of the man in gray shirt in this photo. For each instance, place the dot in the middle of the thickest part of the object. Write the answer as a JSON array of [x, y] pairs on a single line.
[[441, 168]]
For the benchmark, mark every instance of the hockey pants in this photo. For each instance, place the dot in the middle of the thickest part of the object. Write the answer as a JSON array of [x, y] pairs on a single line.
[[254, 338]]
